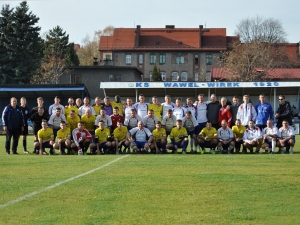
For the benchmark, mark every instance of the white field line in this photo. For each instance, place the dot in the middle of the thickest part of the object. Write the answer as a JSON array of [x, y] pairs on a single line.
[[58, 184]]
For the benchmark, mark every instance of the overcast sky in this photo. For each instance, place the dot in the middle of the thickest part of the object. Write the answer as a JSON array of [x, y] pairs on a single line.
[[81, 17]]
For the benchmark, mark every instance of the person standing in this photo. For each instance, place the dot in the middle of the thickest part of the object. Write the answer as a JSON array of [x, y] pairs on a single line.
[[26, 116], [213, 111], [246, 111], [13, 124], [53, 107], [284, 112], [264, 112], [234, 109]]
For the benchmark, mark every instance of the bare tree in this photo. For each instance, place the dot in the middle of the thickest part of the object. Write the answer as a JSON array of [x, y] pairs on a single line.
[[259, 29]]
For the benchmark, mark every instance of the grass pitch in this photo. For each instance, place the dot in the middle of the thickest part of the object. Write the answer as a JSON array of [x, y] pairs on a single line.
[[149, 189]]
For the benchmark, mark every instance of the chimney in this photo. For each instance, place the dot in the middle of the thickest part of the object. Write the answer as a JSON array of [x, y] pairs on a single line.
[[170, 26], [200, 35], [137, 35]]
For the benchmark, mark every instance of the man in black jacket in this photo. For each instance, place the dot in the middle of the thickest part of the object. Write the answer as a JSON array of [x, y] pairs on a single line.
[[26, 116], [13, 124], [284, 112], [213, 111]]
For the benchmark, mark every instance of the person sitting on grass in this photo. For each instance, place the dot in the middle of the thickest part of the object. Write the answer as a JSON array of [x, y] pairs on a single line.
[[189, 122], [270, 135], [81, 138], [238, 131], [160, 139], [286, 137], [225, 138], [208, 138], [179, 138], [100, 141], [120, 138], [63, 139], [142, 138], [252, 138], [45, 139]]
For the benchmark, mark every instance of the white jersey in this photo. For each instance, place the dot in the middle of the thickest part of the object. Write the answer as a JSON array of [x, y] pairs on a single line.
[[141, 109], [201, 112], [55, 120], [245, 113], [272, 131], [285, 133], [252, 135], [127, 111], [107, 121], [225, 134], [150, 122], [166, 107], [52, 109], [132, 122], [169, 122], [82, 110], [140, 135], [179, 112], [192, 109], [189, 124]]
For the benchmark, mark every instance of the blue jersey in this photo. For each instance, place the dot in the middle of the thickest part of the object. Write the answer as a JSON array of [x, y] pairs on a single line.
[[264, 112]]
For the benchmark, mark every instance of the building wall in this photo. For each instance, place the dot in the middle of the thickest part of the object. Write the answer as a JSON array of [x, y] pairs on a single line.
[[190, 66]]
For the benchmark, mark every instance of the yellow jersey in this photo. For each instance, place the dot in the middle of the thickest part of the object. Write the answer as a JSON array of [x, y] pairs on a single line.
[[63, 134], [120, 135], [178, 134], [97, 108], [68, 109], [238, 132], [88, 122], [158, 134], [45, 134], [102, 135], [212, 132], [119, 105], [157, 109], [72, 122]]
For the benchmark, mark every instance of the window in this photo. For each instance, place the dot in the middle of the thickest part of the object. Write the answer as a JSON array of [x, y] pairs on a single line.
[[152, 59], [140, 59], [150, 75], [162, 59], [208, 59], [107, 56], [163, 76], [76, 79], [196, 77], [128, 59], [184, 76], [118, 77], [175, 76], [179, 60], [208, 76], [196, 59], [111, 77]]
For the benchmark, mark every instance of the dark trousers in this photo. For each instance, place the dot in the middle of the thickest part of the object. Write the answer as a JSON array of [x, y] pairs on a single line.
[[15, 133]]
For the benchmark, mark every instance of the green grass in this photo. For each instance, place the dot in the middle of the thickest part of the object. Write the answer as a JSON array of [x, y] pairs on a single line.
[[151, 189]]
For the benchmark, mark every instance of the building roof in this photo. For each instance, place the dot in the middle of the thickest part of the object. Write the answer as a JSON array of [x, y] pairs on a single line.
[[169, 38], [217, 73]]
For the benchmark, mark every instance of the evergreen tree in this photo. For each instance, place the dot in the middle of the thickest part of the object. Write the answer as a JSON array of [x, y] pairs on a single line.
[[156, 74], [58, 53], [20, 44]]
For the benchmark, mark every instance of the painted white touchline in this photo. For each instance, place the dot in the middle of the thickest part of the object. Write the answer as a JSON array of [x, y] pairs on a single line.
[[58, 184]]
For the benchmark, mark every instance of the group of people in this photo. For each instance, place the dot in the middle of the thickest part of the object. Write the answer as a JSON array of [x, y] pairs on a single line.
[[113, 127]]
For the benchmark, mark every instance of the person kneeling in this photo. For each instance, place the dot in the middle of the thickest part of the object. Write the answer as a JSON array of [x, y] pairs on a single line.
[[225, 138], [100, 142], [252, 138], [179, 138], [45, 139]]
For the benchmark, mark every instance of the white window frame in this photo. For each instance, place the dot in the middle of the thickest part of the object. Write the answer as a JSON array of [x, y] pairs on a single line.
[[196, 76], [163, 76], [184, 76], [150, 76], [175, 76], [162, 59], [128, 59], [141, 59]]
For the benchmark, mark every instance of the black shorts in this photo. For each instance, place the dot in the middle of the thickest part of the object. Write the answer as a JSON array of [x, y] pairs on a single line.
[[25, 131]]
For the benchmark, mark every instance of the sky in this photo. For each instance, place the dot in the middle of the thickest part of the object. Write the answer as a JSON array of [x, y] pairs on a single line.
[[80, 18]]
